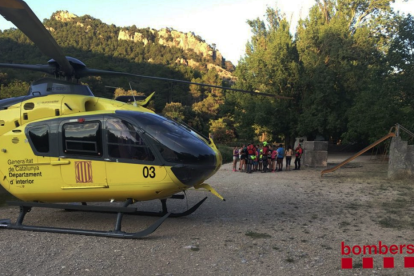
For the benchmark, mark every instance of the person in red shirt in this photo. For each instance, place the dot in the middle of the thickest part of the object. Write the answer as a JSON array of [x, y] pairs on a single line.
[[298, 155], [264, 156], [251, 155]]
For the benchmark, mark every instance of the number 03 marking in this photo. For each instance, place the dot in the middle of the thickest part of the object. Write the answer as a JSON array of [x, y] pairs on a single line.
[[148, 172]]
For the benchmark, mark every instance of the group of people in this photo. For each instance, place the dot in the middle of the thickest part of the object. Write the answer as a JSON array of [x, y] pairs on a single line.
[[266, 158]]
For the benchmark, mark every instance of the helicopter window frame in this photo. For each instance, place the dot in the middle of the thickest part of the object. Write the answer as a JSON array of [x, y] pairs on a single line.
[[40, 147], [81, 145], [130, 147]]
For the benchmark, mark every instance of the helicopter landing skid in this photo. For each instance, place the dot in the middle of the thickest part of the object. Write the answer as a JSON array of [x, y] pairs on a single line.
[[26, 207], [165, 211], [134, 211]]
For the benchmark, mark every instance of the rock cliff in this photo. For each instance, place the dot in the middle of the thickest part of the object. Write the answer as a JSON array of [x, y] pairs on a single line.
[[187, 42], [172, 38], [64, 16], [167, 37], [136, 36]]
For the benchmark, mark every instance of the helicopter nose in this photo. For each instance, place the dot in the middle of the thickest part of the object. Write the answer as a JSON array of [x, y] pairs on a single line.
[[192, 174]]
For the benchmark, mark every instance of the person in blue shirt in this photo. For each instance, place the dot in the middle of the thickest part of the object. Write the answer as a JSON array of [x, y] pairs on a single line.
[[280, 155]]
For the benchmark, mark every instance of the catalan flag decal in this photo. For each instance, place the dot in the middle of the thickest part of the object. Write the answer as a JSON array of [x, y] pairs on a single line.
[[83, 170]]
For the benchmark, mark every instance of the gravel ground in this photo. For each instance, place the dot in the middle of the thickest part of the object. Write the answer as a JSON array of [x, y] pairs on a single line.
[[284, 223]]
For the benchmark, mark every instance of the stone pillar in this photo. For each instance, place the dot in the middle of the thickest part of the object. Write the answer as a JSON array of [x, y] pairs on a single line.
[[299, 140], [315, 153], [401, 162]]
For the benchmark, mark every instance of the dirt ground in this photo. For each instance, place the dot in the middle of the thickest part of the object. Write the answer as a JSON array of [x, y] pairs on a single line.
[[284, 223]]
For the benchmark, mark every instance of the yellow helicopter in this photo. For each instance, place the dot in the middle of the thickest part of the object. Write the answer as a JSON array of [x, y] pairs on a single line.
[[59, 143]]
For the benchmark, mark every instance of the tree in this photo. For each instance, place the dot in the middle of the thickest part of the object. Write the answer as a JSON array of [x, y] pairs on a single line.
[[14, 89], [97, 45], [389, 98], [174, 110], [340, 58], [401, 61], [271, 65], [220, 131], [121, 92], [196, 90]]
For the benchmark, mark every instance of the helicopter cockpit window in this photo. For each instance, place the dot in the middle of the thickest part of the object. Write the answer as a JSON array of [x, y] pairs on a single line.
[[175, 143], [40, 138], [124, 141], [82, 138]]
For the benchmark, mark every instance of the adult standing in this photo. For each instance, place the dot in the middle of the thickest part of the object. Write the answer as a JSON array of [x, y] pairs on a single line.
[[273, 158], [235, 157], [298, 155], [265, 163], [251, 155], [260, 152], [256, 160], [243, 158], [269, 158], [280, 156], [264, 156], [288, 154]]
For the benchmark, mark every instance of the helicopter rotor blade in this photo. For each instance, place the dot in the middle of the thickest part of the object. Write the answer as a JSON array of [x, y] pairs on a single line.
[[94, 72], [41, 68], [19, 13]]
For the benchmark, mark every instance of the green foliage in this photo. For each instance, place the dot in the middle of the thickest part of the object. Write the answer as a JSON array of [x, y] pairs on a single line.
[[271, 65], [346, 88], [121, 92], [221, 131], [226, 153], [14, 89], [174, 110], [401, 61], [348, 67], [388, 98], [97, 45]]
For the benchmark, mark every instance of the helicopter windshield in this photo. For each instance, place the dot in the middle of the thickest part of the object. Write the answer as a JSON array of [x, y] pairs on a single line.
[[175, 143]]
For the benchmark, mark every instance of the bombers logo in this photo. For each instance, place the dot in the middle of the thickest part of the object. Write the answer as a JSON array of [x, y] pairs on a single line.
[[83, 171], [380, 249]]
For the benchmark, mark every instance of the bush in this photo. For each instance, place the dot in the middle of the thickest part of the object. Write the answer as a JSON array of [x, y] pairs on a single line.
[[226, 153]]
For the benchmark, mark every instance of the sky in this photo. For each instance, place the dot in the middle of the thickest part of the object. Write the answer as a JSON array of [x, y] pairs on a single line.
[[222, 22]]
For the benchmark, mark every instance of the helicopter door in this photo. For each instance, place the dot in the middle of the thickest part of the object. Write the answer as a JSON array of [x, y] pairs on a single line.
[[82, 165], [130, 160]]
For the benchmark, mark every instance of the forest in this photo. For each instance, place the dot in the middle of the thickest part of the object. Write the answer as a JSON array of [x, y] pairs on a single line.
[[348, 67]]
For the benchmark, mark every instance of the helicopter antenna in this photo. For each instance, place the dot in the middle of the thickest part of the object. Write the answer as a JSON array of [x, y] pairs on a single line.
[[112, 87], [135, 101], [115, 87]]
